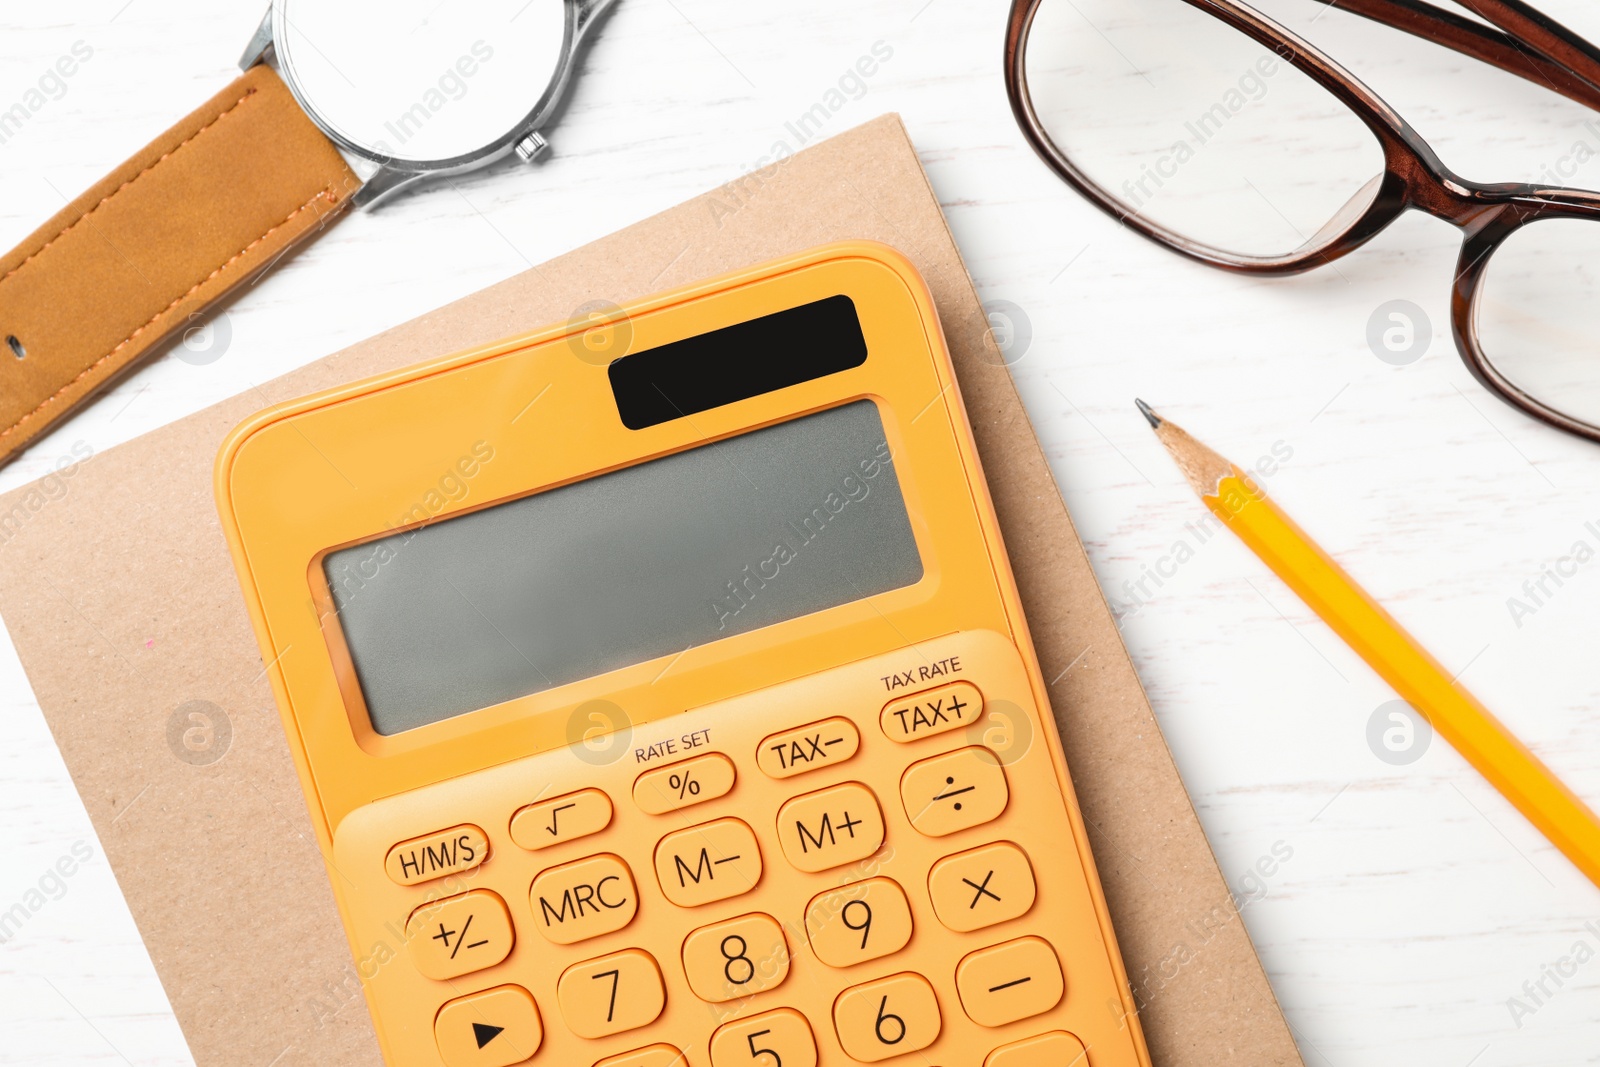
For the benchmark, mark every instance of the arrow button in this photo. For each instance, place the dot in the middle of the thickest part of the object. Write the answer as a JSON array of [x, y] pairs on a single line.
[[467, 1039]]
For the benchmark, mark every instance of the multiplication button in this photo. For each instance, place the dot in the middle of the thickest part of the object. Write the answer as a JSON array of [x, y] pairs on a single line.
[[809, 748], [833, 826], [459, 935], [982, 887]]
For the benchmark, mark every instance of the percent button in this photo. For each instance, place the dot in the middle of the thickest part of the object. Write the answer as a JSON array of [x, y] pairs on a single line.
[[684, 784]]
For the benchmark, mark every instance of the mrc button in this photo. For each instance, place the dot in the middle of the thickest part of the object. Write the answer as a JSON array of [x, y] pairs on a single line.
[[931, 712], [577, 901], [436, 855]]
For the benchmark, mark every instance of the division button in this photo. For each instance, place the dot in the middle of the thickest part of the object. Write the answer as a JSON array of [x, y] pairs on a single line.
[[833, 826], [809, 748], [981, 887], [1016, 980], [436, 855], [932, 712], [561, 819], [459, 935], [955, 791], [712, 861], [584, 899], [684, 785], [495, 1028]]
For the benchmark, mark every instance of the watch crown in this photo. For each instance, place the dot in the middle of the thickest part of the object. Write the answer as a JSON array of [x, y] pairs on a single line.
[[532, 146]]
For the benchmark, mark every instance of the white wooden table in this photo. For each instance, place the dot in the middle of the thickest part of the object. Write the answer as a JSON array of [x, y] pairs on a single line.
[[1413, 902]]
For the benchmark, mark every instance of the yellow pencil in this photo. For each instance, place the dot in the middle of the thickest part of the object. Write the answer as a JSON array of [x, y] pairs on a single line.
[[1416, 676]]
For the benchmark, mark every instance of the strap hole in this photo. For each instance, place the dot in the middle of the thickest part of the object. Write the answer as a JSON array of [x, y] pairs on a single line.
[[16, 346]]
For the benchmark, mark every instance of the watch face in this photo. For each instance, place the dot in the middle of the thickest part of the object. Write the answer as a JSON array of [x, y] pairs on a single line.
[[421, 81]]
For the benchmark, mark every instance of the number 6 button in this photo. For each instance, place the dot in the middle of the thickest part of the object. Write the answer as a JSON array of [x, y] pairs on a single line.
[[889, 1017], [775, 1039]]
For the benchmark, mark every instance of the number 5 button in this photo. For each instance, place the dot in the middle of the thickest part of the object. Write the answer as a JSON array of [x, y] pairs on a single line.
[[889, 1017], [775, 1039]]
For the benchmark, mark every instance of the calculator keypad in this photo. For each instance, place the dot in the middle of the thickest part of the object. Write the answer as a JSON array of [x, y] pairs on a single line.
[[782, 877]]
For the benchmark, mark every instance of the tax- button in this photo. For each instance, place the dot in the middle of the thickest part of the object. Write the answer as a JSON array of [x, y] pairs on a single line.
[[495, 1028], [981, 887], [561, 819], [458, 935], [889, 1017], [585, 899], [810, 748], [955, 791], [932, 712], [684, 784], [1057, 1047], [1016, 980], [436, 855], [712, 861], [833, 826]]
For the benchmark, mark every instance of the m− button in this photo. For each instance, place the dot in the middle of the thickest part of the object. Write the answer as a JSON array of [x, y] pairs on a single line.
[[712, 861], [459, 935], [577, 901], [831, 827], [809, 748]]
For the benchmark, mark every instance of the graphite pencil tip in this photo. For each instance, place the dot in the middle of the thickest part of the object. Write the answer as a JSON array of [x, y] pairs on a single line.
[[1149, 413]]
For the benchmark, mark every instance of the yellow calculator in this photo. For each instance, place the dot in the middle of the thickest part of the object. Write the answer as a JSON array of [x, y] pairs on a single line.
[[661, 695]]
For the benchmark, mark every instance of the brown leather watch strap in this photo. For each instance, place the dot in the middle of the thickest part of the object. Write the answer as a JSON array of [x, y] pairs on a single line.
[[204, 207]]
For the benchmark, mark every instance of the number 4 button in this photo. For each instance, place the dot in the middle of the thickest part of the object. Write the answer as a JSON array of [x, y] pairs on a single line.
[[774, 1039]]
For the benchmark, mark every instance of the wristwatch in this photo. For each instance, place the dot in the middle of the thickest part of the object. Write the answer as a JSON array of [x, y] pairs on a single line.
[[342, 102]]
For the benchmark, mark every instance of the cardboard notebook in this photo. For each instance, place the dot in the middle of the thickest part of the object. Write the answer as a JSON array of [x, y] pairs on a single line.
[[125, 610]]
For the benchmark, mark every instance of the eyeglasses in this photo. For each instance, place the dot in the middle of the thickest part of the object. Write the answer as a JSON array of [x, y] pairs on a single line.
[[1211, 129]]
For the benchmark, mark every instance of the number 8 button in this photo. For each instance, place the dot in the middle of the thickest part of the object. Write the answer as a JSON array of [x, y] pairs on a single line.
[[736, 958], [889, 1017]]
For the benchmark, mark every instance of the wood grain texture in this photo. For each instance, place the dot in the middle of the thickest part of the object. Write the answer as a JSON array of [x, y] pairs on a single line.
[[1414, 902]]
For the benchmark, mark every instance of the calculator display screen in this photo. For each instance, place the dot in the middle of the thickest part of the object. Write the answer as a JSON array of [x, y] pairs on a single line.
[[628, 566]]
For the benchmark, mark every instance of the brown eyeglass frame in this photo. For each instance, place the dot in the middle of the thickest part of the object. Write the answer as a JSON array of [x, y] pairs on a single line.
[[1527, 43]]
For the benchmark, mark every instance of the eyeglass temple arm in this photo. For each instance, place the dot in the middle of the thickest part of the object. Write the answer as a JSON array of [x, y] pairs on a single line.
[[1536, 47]]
